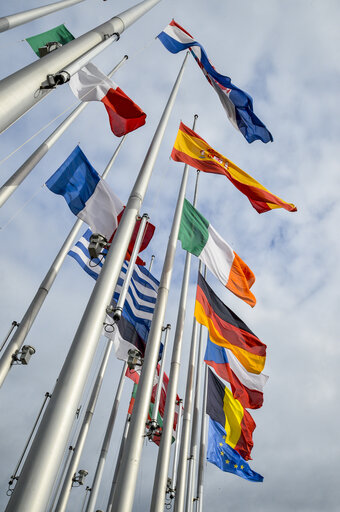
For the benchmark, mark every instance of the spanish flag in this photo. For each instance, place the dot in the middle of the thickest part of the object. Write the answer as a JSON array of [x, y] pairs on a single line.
[[191, 149], [227, 329], [228, 412]]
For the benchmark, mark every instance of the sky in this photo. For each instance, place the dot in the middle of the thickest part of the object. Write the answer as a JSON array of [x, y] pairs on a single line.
[[285, 55]]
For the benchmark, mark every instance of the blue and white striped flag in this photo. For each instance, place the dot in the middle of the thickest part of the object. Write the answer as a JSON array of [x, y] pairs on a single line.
[[133, 329]]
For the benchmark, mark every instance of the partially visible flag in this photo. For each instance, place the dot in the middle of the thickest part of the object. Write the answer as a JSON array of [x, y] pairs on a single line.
[[225, 457], [134, 375], [191, 149], [90, 84], [229, 413], [88, 196], [246, 387], [237, 104], [199, 238], [58, 34]]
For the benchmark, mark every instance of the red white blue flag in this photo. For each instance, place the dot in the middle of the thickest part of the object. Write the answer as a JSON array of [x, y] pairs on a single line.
[[237, 103]]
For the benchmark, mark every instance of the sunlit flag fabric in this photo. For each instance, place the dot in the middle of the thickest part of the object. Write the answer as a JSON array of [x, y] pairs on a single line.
[[225, 457], [133, 328], [200, 238], [134, 375], [191, 149], [90, 84], [237, 104], [246, 387], [59, 34], [228, 412], [227, 329]]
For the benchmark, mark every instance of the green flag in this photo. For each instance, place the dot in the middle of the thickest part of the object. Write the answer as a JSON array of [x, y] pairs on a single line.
[[58, 34]]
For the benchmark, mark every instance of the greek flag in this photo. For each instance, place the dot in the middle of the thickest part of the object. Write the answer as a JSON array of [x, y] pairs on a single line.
[[133, 329]]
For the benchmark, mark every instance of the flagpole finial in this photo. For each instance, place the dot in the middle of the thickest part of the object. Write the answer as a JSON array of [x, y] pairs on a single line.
[[196, 116]]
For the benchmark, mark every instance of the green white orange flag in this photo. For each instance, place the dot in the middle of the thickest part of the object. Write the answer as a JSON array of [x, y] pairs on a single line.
[[200, 238], [191, 149]]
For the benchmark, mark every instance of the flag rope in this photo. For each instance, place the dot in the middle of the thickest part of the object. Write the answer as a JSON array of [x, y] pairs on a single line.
[[21, 208]]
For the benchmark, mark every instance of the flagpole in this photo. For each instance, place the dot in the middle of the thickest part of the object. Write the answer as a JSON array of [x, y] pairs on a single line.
[[161, 474], [14, 20], [26, 323], [106, 444], [172, 489], [202, 454], [24, 170], [33, 488], [61, 478], [20, 91]]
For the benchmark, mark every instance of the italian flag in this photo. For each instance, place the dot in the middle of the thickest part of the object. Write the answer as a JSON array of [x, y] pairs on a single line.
[[199, 238]]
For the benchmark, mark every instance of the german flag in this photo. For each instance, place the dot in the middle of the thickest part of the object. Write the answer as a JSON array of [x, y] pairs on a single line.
[[228, 412], [191, 149], [227, 329]]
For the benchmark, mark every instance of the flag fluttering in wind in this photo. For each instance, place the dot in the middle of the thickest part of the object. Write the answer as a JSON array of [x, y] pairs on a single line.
[[227, 329], [225, 457], [58, 34], [237, 104], [90, 84], [228, 412], [88, 196], [246, 387], [191, 149], [134, 375], [199, 238]]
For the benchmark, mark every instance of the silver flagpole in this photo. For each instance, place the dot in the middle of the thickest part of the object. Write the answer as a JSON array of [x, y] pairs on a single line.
[[78, 448], [161, 474], [33, 488], [24, 170], [61, 478], [13, 20], [172, 489], [127, 478], [20, 91], [26, 323], [202, 454], [106, 444]]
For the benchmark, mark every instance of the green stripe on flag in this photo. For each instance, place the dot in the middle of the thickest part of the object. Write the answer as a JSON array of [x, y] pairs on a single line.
[[193, 231], [58, 34]]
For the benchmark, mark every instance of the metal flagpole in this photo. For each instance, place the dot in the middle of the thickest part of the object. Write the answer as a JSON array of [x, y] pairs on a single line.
[[13, 20], [195, 419], [67, 485], [20, 91], [78, 448], [172, 489], [106, 444], [33, 488], [61, 478], [24, 170], [161, 474], [201, 460], [26, 323]]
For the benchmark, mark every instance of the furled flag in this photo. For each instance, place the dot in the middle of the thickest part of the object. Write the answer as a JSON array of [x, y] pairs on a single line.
[[191, 149], [227, 329], [58, 34], [134, 375], [90, 84], [237, 103], [90, 198], [133, 328], [225, 457], [199, 238], [228, 412], [246, 387]]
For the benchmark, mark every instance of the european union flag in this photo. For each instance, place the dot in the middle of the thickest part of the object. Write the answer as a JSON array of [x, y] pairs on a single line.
[[225, 457]]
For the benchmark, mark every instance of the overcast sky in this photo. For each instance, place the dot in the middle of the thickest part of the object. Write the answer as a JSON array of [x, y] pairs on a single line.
[[285, 54]]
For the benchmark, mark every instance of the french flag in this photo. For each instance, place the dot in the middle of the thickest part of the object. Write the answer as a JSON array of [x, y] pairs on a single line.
[[237, 104], [246, 387], [90, 84]]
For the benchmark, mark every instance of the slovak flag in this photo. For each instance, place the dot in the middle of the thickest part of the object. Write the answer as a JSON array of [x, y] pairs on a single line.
[[90, 198], [237, 104], [90, 84]]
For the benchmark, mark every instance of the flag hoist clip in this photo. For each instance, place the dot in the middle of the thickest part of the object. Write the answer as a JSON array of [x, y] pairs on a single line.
[[24, 355], [79, 478], [134, 358]]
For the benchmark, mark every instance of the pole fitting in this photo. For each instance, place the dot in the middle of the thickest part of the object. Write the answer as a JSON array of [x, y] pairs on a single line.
[[196, 116]]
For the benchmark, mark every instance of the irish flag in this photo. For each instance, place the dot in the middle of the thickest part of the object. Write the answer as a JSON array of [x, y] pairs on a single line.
[[90, 84], [199, 238]]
